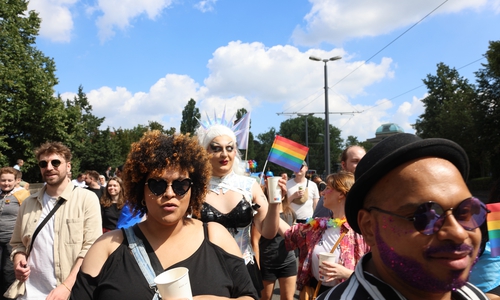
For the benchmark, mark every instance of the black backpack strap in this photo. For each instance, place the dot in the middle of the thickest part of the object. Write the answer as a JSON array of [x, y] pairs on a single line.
[[47, 218]]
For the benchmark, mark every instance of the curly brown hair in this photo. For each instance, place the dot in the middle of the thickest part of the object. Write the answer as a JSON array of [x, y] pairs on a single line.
[[156, 152]]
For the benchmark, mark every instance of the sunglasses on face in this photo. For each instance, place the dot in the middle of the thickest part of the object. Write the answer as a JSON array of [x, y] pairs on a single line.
[[429, 217], [159, 186], [55, 163]]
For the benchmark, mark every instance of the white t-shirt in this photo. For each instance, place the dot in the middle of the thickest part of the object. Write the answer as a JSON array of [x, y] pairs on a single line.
[[77, 183], [306, 210], [328, 240], [42, 279]]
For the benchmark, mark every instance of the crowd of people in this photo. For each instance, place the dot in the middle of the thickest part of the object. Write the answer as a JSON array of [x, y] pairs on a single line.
[[398, 219]]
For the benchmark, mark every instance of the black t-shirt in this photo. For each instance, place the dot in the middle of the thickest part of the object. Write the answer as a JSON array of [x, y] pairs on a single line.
[[110, 216], [98, 191], [212, 271]]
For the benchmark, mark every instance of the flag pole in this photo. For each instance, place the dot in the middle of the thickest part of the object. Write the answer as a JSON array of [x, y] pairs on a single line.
[[262, 173], [265, 164]]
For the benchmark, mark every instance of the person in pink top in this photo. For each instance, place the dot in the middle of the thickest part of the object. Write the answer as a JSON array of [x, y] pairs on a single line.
[[320, 235]]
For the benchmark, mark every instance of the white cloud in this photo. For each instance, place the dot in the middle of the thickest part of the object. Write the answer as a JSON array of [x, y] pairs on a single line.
[[495, 5], [255, 77], [163, 103], [117, 14], [283, 73], [57, 19], [408, 112], [337, 21], [205, 5]]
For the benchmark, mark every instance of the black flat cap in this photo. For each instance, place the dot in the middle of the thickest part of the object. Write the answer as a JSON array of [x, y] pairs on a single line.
[[391, 153]]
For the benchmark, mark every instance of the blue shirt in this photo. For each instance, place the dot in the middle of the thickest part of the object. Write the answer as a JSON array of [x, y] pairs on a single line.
[[127, 218], [485, 273]]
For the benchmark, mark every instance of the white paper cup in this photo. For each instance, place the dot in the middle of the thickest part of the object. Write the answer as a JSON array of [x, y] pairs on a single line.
[[329, 257], [174, 284], [274, 189]]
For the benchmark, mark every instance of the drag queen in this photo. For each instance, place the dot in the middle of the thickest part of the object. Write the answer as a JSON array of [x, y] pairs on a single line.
[[235, 200]]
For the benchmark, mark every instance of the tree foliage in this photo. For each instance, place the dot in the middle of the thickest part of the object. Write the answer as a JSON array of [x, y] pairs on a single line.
[[487, 103], [29, 112], [295, 129], [190, 117], [449, 113]]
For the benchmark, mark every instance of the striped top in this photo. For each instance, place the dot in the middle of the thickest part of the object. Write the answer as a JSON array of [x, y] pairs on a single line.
[[364, 286]]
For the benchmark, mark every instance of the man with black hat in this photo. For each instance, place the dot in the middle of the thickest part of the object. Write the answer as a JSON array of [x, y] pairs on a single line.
[[412, 206]]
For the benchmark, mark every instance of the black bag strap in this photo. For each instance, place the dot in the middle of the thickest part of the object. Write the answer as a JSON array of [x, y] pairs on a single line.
[[47, 218]]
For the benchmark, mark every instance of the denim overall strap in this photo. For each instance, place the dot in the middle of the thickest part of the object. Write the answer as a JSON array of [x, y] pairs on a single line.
[[137, 247]]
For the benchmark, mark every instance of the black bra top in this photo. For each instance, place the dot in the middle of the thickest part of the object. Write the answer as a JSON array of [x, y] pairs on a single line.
[[240, 216]]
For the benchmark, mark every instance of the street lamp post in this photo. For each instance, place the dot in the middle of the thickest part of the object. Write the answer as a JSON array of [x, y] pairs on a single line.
[[327, 112], [307, 137]]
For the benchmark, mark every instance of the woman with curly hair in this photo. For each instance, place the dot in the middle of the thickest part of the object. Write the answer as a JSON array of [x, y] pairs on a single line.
[[165, 178], [112, 203]]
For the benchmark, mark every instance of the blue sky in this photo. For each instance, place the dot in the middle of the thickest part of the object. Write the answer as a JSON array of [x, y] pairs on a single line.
[[141, 61]]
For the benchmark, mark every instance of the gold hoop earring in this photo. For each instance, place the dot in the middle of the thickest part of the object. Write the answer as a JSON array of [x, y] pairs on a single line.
[[143, 203]]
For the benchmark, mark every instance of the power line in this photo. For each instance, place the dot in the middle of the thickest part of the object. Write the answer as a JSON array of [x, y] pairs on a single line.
[[394, 40], [399, 36], [404, 93]]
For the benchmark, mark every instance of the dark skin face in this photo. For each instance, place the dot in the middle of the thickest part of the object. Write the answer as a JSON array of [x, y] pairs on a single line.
[[419, 266]]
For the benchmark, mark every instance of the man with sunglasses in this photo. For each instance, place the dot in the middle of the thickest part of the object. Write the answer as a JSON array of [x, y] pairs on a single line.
[[412, 206], [303, 194], [46, 268]]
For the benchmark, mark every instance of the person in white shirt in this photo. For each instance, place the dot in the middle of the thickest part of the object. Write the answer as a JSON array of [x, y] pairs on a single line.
[[80, 181], [19, 164], [303, 194], [46, 267]]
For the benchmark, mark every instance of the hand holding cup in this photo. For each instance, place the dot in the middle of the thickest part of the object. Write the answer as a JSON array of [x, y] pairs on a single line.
[[174, 284]]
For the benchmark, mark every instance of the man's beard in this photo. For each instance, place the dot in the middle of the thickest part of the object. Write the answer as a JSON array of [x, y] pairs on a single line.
[[58, 181], [414, 274]]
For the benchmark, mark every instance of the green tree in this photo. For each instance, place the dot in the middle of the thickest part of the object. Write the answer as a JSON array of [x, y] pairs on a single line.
[[91, 146], [153, 125], [449, 112], [351, 140], [295, 129], [29, 112], [487, 114], [262, 146], [190, 117]]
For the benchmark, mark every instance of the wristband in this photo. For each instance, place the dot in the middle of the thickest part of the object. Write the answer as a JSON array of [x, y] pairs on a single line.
[[66, 287]]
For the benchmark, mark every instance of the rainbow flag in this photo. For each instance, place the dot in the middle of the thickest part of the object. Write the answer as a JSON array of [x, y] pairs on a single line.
[[287, 153], [493, 219]]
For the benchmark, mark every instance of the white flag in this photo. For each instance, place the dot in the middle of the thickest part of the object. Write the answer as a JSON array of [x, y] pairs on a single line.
[[242, 130]]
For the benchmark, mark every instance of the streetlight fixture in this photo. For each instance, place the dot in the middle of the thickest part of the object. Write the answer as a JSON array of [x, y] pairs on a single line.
[[307, 137], [327, 112]]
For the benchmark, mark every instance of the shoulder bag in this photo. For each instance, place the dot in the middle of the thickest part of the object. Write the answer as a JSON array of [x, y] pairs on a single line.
[[18, 288], [304, 197]]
